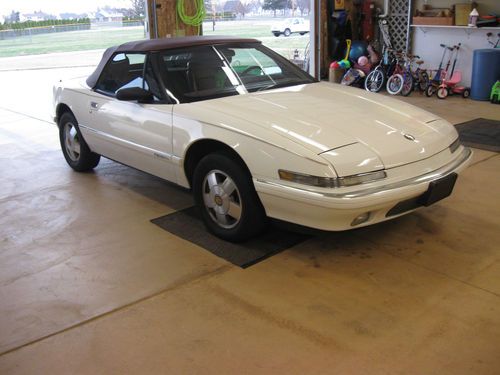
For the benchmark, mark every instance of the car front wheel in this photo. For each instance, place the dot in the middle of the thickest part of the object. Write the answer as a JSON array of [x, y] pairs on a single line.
[[287, 32], [75, 150], [226, 198]]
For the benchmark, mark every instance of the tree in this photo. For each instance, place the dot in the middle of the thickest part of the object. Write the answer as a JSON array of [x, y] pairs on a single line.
[[13, 18], [304, 6], [138, 8], [274, 5]]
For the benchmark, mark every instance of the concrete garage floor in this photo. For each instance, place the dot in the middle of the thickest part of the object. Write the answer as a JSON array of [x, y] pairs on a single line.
[[89, 286]]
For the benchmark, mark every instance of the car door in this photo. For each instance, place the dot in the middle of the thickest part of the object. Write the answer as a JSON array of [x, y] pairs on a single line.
[[133, 133]]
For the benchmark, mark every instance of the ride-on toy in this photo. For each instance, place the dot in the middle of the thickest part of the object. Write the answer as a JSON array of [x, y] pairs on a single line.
[[495, 93], [451, 85], [441, 72]]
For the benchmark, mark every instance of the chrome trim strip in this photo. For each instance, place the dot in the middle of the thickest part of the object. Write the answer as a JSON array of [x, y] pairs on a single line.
[[438, 173], [155, 153]]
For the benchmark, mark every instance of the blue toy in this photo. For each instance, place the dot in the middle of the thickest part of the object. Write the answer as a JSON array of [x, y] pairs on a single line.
[[358, 49]]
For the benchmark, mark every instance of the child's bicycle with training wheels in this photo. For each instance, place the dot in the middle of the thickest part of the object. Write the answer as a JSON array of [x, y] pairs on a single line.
[[420, 77]]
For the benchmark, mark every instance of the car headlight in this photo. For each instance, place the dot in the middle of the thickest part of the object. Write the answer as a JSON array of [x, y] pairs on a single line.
[[331, 182]]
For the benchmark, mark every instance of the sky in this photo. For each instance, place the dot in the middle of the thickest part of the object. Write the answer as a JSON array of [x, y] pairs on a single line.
[[58, 6]]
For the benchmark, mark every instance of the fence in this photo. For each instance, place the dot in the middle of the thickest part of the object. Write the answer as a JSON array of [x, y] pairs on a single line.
[[28, 32]]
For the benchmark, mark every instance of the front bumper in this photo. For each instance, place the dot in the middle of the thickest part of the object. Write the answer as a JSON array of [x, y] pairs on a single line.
[[335, 211]]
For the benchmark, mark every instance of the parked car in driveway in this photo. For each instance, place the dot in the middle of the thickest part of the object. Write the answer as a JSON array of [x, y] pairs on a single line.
[[289, 26], [253, 136]]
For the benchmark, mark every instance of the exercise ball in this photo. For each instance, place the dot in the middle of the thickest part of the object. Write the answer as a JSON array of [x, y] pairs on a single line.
[[358, 49]]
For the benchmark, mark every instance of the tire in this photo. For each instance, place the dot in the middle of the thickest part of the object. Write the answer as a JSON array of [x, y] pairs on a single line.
[[375, 81], [303, 33], [226, 198], [442, 92], [430, 90], [423, 80], [74, 148], [395, 84], [276, 34], [466, 93], [287, 32], [407, 85]]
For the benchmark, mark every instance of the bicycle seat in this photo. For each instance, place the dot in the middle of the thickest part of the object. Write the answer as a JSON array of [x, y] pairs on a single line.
[[419, 62]]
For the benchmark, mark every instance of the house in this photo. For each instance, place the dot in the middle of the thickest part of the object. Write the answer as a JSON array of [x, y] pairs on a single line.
[[36, 16], [72, 16], [232, 8], [103, 18]]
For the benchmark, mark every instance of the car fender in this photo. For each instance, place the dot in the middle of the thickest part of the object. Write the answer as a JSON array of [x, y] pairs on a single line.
[[263, 154]]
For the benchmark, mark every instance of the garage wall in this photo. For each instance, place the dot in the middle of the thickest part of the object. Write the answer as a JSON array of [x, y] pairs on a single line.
[[426, 40], [426, 44]]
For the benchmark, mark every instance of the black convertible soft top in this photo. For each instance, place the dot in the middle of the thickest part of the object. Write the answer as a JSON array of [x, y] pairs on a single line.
[[148, 45]]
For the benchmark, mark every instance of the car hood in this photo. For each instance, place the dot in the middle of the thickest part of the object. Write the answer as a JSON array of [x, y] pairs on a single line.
[[324, 116]]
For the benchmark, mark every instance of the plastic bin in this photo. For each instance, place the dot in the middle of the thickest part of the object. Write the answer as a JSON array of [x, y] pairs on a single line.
[[485, 72]]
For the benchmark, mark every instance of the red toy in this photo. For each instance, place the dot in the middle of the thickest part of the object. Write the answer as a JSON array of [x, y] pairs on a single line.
[[451, 86]]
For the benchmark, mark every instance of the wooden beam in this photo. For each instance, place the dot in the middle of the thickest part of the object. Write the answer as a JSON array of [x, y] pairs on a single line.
[[168, 23]]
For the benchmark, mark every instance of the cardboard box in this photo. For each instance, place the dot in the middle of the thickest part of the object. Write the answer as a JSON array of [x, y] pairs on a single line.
[[444, 21], [462, 14]]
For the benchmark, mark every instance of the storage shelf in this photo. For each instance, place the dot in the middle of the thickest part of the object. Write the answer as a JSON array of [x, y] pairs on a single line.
[[458, 27], [467, 29]]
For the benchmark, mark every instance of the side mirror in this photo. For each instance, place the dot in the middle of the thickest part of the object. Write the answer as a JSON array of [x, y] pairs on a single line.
[[135, 94]]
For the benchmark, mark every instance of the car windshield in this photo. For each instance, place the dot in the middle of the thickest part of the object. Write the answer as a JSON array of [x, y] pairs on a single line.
[[209, 72]]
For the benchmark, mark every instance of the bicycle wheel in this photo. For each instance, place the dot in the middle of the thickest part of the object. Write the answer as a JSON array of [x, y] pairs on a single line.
[[375, 80], [407, 84], [423, 80], [395, 84], [430, 90]]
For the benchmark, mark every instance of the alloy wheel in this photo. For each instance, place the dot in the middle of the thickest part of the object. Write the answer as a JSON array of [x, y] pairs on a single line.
[[222, 199], [71, 142]]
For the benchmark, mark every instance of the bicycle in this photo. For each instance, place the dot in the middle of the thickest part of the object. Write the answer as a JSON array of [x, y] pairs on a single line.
[[376, 79], [400, 78], [420, 76]]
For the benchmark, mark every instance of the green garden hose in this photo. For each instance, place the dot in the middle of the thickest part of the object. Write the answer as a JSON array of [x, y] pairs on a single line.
[[197, 18]]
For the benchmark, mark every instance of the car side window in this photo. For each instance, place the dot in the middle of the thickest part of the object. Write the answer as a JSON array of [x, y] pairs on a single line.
[[196, 73], [124, 70]]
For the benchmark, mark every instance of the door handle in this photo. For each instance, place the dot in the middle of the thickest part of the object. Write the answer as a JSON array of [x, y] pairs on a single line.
[[94, 105]]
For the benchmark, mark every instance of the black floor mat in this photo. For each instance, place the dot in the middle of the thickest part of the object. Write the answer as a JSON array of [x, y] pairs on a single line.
[[480, 133], [188, 225]]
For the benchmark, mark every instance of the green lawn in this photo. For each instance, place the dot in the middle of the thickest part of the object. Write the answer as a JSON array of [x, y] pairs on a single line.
[[69, 41], [97, 39]]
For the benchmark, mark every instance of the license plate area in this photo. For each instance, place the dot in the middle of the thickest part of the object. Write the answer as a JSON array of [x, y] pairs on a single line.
[[438, 189]]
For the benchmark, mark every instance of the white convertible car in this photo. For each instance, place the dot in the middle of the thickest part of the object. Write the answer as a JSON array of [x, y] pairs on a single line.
[[253, 136]]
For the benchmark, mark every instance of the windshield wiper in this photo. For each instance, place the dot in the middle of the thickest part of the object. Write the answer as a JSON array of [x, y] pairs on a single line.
[[281, 84]]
